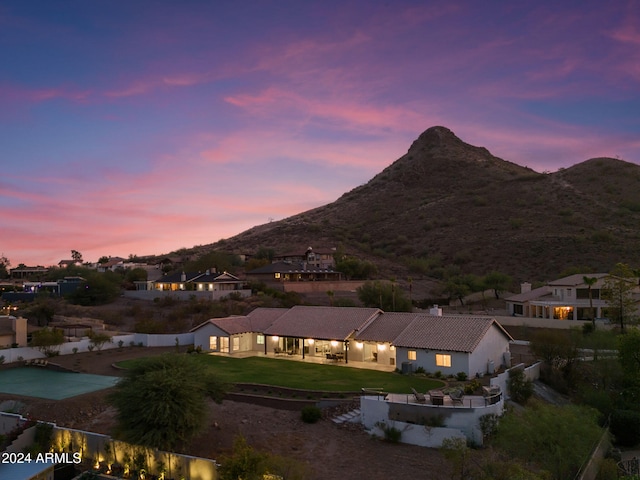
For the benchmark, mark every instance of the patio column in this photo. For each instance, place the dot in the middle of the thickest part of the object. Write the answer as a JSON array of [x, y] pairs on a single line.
[[303, 348], [346, 351]]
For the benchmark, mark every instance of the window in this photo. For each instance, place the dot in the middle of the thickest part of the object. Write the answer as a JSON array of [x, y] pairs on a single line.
[[213, 343], [443, 360], [411, 355], [236, 343], [260, 339], [517, 309], [276, 275]]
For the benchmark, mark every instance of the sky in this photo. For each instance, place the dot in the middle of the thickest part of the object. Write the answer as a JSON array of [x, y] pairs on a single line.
[[142, 127]]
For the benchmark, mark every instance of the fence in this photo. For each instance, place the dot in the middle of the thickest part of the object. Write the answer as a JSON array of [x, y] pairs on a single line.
[[147, 340]]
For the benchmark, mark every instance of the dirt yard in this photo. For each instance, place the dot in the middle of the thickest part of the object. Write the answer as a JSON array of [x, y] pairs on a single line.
[[328, 450]]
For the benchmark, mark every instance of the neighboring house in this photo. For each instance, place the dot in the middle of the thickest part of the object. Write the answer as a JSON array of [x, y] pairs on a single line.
[[214, 282], [197, 281], [176, 281], [13, 331], [321, 258], [23, 271], [563, 299], [450, 344], [112, 264], [282, 272], [67, 263]]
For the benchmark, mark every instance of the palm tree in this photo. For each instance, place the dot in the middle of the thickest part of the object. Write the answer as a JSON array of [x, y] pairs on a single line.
[[589, 282]]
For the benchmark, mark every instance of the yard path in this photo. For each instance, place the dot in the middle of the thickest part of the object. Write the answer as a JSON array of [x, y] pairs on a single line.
[[326, 449]]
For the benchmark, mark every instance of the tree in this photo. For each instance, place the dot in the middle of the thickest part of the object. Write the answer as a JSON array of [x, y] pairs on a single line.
[[590, 282], [161, 401], [4, 266], [98, 339], [355, 269], [76, 256], [383, 296], [455, 287], [498, 282], [629, 357], [48, 340], [99, 288], [617, 291]]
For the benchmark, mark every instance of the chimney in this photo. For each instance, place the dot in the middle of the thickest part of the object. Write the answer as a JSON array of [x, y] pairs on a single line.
[[183, 277], [207, 272], [435, 311], [525, 287]]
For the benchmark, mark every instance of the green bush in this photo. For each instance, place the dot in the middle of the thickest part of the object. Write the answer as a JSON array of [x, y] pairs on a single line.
[[461, 376], [311, 414], [391, 434], [520, 388]]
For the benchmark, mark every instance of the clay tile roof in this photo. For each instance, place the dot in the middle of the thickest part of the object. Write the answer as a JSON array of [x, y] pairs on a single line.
[[386, 327], [450, 333], [324, 323]]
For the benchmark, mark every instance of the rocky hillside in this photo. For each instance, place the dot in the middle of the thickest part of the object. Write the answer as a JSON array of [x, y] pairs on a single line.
[[447, 203]]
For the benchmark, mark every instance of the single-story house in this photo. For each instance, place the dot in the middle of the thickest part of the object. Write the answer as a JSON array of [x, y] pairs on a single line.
[[24, 271], [214, 282], [198, 281], [450, 344]]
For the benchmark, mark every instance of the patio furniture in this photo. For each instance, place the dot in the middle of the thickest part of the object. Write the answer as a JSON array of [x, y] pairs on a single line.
[[437, 397], [456, 396], [420, 398]]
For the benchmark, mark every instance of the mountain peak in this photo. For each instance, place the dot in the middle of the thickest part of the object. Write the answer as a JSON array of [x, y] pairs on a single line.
[[434, 137]]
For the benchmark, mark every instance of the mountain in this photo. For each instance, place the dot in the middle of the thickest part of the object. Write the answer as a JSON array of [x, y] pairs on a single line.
[[447, 203]]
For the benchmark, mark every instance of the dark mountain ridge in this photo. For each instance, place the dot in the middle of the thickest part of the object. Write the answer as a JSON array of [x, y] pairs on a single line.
[[448, 204]]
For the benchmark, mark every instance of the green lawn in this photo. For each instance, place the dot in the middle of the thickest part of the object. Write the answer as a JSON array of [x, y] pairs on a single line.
[[306, 376]]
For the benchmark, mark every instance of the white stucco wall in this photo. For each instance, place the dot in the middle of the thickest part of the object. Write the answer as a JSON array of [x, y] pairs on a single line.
[[427, 360], [491, 348], [460, 422]]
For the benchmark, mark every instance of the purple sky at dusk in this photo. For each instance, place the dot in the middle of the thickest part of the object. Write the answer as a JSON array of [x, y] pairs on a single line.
[[140, 127]]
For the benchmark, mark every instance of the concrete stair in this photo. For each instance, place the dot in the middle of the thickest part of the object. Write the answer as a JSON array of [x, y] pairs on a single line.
[[350, 417]]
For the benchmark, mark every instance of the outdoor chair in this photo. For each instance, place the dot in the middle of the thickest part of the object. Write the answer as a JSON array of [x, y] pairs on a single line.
[[418, 396], [456, 396]]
